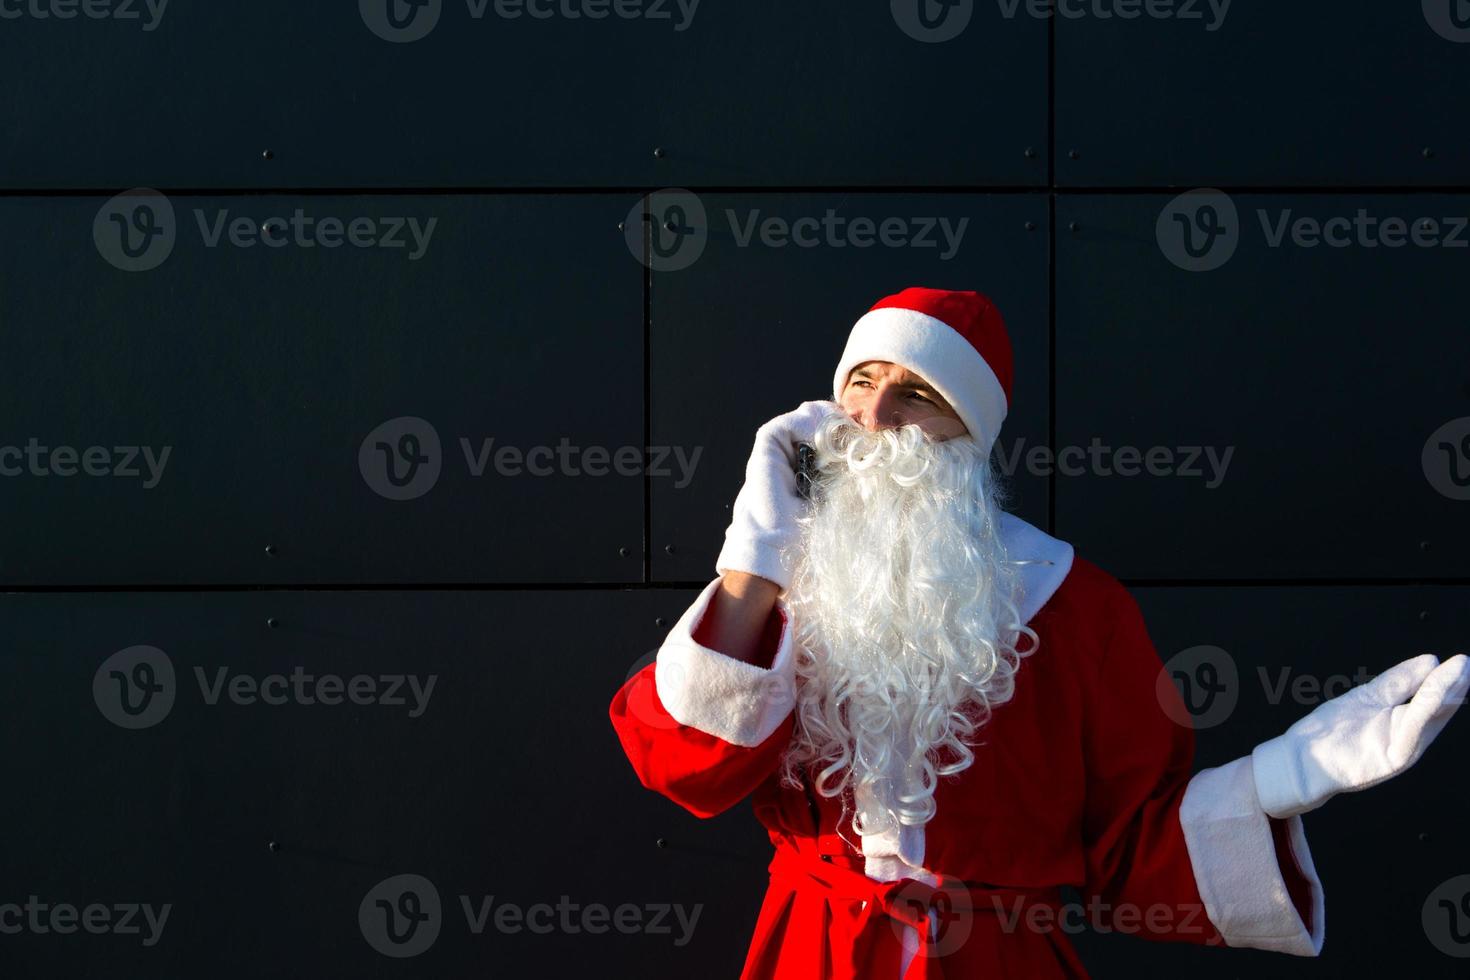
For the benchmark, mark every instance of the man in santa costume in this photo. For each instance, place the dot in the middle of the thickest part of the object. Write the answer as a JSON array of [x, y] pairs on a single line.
[[944, 713]]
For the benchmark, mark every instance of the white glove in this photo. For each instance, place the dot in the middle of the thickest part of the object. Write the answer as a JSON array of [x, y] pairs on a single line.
[[763, 523], [1360, 738]]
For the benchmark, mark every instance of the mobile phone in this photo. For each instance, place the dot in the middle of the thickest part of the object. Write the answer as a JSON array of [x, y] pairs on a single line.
[[806, 466]]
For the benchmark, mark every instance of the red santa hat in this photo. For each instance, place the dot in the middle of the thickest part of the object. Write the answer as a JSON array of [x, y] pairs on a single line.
[[954, 339]]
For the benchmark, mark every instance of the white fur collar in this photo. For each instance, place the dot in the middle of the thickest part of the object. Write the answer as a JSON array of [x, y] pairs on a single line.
[[1044, 560]]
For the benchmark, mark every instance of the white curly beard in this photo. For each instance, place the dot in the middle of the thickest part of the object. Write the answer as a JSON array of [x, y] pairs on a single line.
[[905, 612]]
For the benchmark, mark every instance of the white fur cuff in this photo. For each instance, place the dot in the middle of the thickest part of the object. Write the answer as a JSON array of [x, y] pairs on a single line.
[[717, 694], [1234, 857]]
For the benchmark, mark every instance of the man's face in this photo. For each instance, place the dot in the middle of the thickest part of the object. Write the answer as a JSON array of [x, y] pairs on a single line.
[[882, 395]]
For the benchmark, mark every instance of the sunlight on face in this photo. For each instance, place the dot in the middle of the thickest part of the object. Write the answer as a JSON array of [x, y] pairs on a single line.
[[882, 395]]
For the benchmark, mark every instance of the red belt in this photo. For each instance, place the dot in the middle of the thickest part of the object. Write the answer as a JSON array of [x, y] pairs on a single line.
[[877, 943]]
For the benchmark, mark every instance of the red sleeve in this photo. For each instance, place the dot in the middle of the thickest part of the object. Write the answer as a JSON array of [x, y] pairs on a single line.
[[702, 728]]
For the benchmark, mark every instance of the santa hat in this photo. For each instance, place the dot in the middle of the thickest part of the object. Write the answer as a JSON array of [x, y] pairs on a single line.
[[954, 339]]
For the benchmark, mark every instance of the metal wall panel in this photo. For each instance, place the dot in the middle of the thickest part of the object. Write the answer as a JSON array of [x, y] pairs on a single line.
[[266, 825], [1303, 394], [271, 375], [749, 321], [275, 94], [1180, 93]]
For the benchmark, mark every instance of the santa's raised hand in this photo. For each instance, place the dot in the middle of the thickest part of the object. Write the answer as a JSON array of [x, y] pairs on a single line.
[[1361, 738]]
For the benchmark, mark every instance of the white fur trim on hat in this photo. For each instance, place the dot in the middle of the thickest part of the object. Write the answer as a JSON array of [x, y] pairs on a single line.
[[937, 352]]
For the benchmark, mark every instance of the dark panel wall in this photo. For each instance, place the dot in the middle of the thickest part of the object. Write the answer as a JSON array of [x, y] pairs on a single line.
[[375, 381]]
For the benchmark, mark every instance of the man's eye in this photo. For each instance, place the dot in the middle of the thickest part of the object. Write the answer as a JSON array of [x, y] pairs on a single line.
[[918, 396]]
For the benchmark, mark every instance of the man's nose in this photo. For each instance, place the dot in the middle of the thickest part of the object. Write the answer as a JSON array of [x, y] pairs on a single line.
[[882, 412]]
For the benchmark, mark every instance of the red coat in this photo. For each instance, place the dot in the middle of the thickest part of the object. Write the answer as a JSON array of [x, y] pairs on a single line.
[[1081, 779]]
